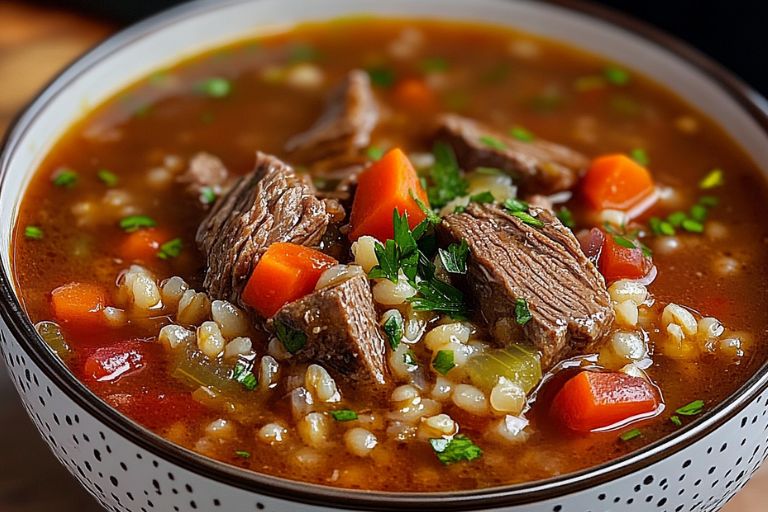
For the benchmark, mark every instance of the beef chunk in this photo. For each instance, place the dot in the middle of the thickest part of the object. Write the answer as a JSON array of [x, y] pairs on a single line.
[[344, 127], [341, 331], [270, 204], [205, 171], [539, 167], [511, 260]]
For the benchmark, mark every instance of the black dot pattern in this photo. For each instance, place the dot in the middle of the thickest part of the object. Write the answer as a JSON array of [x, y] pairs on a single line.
[[125, 478]]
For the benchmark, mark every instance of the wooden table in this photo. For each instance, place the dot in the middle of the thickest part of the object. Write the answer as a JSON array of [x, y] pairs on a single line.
[[35, 42]]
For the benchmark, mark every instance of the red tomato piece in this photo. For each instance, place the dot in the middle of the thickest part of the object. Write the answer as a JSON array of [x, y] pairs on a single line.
[[107, 364], [619, 262]]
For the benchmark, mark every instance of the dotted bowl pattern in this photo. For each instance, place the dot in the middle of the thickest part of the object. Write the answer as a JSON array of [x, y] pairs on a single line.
[[124, 477]]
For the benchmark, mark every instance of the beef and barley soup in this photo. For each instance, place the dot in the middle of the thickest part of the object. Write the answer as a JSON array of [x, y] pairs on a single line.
[[400, 255]]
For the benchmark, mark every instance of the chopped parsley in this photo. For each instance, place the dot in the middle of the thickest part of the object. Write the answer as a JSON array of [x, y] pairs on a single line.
[[713, 179], [447, 182], [691, 409], [454, 258], [482, 197], [457, 449], [676, 420], [215, 87], [630, 434], [616, 75], [529, 219], [136, 222], [692, 226], [434, 65], [522, 313], [66, 178], [440, 297], [515, 205], [443, 362], [624, 242], [107, 177], [661, 227], [521, 134], [409, 358], [382, 77], [709, 201], [393, 328], [33, 233], [402, 253], [374, 153], [170, 249], [566, 217], [243, 454], [344, 415], [207, 195], [245, 377], [293, 339], [640, 156], [493, 142]]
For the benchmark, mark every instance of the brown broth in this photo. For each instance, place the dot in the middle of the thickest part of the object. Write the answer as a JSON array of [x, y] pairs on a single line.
[[166, 115]]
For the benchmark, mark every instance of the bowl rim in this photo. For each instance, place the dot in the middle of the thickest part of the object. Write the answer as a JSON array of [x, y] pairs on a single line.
[[314, 494]]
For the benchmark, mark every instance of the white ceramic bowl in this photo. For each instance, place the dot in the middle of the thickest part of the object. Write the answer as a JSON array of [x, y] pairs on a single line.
[[129, 469]]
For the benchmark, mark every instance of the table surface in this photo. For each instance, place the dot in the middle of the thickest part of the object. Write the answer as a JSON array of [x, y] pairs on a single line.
[[35, 42]]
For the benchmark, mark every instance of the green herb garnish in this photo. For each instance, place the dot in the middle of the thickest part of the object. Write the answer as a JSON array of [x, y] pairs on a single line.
[[624, 242], [402, 253], [374, 153], [640, 156], [245, 377], [616, 75], [107, 177], [529, 219], [447, 182], [492, 142], [714, 178], [409, 358], [382, 77], [522, 313], [443, 362], [215, 87], [482, 198], [692, 226], [676, 218], [301, 53], [207, 195], [521, 134], [691, 409], [136, 222], [393, 329], [65, 178], [454, 258], [698, 212], [709, 201], [515, 205], [435, 295], [170, 249], [33, 233], [661, 227], [630, 434], [344, 415], [676, 421], [566, 217], [293, 339], [459, 448], [243, 454]]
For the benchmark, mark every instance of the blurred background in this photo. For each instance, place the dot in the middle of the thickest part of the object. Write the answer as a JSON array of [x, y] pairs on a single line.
[[38, 38]]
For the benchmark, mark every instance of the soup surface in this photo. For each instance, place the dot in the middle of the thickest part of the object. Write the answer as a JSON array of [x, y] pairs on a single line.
[[590, 294]]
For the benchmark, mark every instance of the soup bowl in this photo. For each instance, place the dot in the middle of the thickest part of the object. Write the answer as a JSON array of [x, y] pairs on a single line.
[[128, 468]]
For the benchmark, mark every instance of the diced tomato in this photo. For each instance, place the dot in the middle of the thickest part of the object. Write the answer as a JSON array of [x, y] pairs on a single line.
[[286, 272], [387, 185], [79, 305], [619, 262], [157, 409], [595, 400], [107, 364], [143, 245]]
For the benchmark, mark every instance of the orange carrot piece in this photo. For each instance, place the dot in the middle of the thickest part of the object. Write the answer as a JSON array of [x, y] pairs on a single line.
[[594, 400], [79, 304], [286, 272], [143, 245], [388, 184], [619, 183], [414, 93]]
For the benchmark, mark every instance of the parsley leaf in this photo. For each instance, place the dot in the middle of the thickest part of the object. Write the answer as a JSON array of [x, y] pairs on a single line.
[[170, 249], [529, 219], [33, 233], [400, 253], [691, 409], [521, 134], [624, 242], [382, 77], [676, 420], [454, 258], [515, 205], [447, 182], [344, 415], [616, 75], [640, 156], [435, 295], [374, 153], [243, 454], [293, 339], [459, 448], [245, 377], [443, 362], [386, 255], [482, 197], [493, 142], [432, 218], [692, 226], [65, 178], [207, 195], [393, 328], [522, 313], [714, 178], [661, 227], [630, 434], [566, 217], [136, 222], [409, 358], [107, 177], [215, 87]]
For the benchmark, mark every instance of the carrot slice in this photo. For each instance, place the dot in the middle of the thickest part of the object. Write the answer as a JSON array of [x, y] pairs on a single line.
[[390, 183], [286, 272], [79, 304], [143, 245], [415, 94], [594, 400], [619, 262], [617, 182]]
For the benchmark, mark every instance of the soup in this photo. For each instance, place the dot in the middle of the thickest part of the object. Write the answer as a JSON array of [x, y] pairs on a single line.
[[464, 257]]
